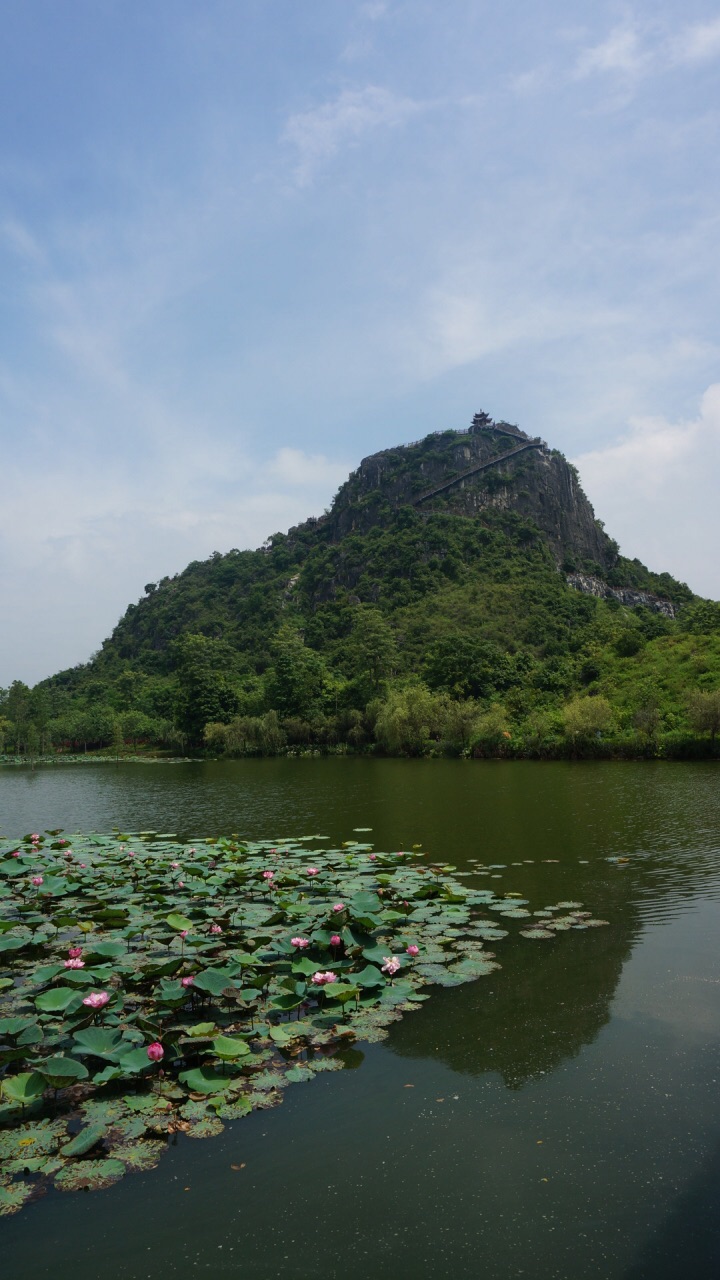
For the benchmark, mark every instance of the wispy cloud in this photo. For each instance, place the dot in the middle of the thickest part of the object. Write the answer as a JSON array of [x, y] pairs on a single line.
[[621, 51], [696, 43], [321, 132], [656, 489], [630, 51]]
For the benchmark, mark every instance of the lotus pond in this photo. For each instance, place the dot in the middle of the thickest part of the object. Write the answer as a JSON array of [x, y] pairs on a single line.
[[558, 1117], [152, 987]]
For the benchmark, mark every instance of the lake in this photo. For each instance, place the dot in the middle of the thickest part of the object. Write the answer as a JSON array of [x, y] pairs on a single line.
[[560, 1118]]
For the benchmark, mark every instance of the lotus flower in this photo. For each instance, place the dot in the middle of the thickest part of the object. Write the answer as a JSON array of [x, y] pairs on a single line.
[[412, 950], [155, 1051], [215, 928], [312, 871], [36, 880], [96, 999], [35, 837], [320, 979], [174, 866], [391, 965], [268, 875], [16, 853], [339, 906], [372, 856], [130, 853], [187, 982], [74, 952], [75, 963], [301, 943], [183, 934], [181, 884], [335, 940]]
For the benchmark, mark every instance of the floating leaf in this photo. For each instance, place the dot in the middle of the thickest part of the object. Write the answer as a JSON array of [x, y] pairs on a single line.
[[90, 1175]]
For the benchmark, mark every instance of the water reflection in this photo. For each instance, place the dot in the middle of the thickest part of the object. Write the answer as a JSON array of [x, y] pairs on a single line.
[[562, 1117]]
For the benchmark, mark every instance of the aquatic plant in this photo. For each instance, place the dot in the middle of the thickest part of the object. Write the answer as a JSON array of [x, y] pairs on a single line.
[[171, 988]]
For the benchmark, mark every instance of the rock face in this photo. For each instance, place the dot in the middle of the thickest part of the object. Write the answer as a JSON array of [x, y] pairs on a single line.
[[629, 596], [508, 470]]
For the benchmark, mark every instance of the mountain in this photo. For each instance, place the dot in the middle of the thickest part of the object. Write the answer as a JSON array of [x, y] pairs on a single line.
[[459, 591]]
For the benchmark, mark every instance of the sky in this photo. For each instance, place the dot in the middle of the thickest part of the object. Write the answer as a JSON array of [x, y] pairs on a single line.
[[246, 243]]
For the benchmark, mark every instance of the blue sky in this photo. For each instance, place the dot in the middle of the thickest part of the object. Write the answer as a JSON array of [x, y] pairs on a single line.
[[243, 245]]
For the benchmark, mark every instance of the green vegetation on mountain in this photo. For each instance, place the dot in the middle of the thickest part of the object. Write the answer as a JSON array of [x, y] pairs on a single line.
[[429, 610]]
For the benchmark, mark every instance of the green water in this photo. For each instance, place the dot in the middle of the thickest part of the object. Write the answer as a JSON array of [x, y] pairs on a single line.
[[558, 1119]]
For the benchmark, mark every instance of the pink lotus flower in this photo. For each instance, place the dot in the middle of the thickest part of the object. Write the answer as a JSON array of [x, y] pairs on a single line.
[[187, 982], [300, 943], [391, 965], [339, 906], [62, 842], [191, 850], [82, 864], [313, 871], [130, 853], [335, 940], [68, 854], [74, 952], [181, 884], [412, 950], [268, 875], [96, 999], [321, 978], [36, 880], [35, 837], [215, 928], [174, 866], [372, 856], [183, 934], [75, 963], [155, 1051], [16, 853]]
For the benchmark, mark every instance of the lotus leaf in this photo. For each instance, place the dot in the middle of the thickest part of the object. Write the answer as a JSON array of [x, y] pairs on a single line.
[[84, 1141], [13, 1196], [90, 1175], [24, 1089], [100, 1042], [205, 1080], [228, 1048], [59, 1072], [58, 1000], [139, 1156]]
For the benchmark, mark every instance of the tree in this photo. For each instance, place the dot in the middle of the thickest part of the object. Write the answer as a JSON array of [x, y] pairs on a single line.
[[586, 717], [370, 652], [704, 712], [408, 719], [647, 719], [205, 690], [467, 667], [294, 682]]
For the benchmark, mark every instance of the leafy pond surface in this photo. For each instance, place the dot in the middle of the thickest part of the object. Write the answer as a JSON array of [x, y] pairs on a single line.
[[151, 987]]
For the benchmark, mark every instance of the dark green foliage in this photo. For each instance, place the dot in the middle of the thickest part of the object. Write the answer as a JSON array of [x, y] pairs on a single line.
[[310, 642]]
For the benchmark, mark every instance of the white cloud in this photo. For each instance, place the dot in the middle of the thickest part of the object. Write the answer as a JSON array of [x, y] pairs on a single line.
[[696, 43], [621, 52], [294, 467], [78, 545], [656, 489], [630, 55], [320, 133]]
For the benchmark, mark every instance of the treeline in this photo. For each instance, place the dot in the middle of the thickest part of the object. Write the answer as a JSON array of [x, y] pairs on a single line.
[[415, 722]]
